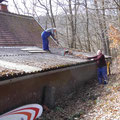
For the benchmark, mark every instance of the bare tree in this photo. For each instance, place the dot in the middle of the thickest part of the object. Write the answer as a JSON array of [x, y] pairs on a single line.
[[80, 25], [101, 27], [52, 16], [87, 25], [117, 3], [49, 11], [72, 24], [16, 6], [25, 6], [107, 49]]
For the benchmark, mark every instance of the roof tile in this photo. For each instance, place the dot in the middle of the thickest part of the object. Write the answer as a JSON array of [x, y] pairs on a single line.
[[19, 30]]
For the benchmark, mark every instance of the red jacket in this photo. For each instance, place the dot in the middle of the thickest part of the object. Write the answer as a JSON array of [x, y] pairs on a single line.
[[100, 59]]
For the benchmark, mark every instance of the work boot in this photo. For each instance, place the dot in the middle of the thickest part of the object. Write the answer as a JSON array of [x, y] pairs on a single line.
[[105, 82], [48, 51]]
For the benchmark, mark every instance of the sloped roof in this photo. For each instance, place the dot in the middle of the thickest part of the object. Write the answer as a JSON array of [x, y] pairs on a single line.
[[14, 61], [19, 30]]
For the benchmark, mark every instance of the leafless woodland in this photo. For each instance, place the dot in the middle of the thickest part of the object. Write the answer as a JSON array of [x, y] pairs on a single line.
[[81, 24]]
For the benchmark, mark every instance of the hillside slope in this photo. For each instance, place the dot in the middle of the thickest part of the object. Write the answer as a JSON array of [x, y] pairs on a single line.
[[94, 102]]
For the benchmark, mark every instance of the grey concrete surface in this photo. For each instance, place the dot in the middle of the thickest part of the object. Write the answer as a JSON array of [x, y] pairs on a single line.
[[18, 56]]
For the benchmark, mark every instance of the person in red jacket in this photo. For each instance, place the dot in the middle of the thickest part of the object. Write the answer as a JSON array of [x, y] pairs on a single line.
[[102, 67]]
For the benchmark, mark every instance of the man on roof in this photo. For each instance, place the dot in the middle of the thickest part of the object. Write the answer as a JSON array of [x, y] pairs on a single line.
[[45, 34]]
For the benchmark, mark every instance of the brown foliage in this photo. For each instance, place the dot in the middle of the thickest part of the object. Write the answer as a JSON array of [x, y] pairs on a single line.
[[114, 35]]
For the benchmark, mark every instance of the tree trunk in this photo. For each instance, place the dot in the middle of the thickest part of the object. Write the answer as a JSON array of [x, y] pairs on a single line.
[[16, 7], [87, 26], [72, 25], [52, 16], [101, 27], [105, 30], [75, 26], [67, 33]]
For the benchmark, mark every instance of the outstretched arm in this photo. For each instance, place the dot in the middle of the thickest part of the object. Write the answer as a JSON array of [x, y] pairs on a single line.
[[53, 36], [99, 57], [94, 57]]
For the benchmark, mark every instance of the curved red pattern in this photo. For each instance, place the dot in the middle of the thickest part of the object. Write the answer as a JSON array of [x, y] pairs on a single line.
[[33, 108], [25, 113]]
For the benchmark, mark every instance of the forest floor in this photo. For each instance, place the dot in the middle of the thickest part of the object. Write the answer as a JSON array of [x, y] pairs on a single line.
[[94, 102]]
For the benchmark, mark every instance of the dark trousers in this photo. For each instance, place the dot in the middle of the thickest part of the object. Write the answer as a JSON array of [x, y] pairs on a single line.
[[102, 75], [45, 40]]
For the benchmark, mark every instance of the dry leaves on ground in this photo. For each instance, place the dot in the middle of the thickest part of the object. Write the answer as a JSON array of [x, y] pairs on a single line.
[[94, 102]]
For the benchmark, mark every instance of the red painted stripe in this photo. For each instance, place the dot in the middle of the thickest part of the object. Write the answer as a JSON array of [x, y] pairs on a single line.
[[25, 113], [33, 108]]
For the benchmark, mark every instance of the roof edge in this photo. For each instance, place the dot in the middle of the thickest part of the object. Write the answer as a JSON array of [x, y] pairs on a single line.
[[16, 15]]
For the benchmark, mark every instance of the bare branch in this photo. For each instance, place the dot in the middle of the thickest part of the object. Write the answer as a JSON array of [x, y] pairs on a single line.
[[16, 7], [117, 4]]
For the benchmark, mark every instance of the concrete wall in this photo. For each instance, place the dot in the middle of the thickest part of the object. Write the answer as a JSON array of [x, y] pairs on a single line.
[[37, 88]]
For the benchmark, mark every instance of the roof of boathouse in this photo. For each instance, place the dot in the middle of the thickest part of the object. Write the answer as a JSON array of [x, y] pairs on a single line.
[[21, 34], [20, 60]]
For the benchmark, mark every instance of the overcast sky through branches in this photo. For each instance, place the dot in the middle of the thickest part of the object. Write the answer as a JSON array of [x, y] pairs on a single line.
[[29, 4]]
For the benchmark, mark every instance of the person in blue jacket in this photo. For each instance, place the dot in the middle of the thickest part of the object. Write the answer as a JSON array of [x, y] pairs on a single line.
[[45, 34]]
